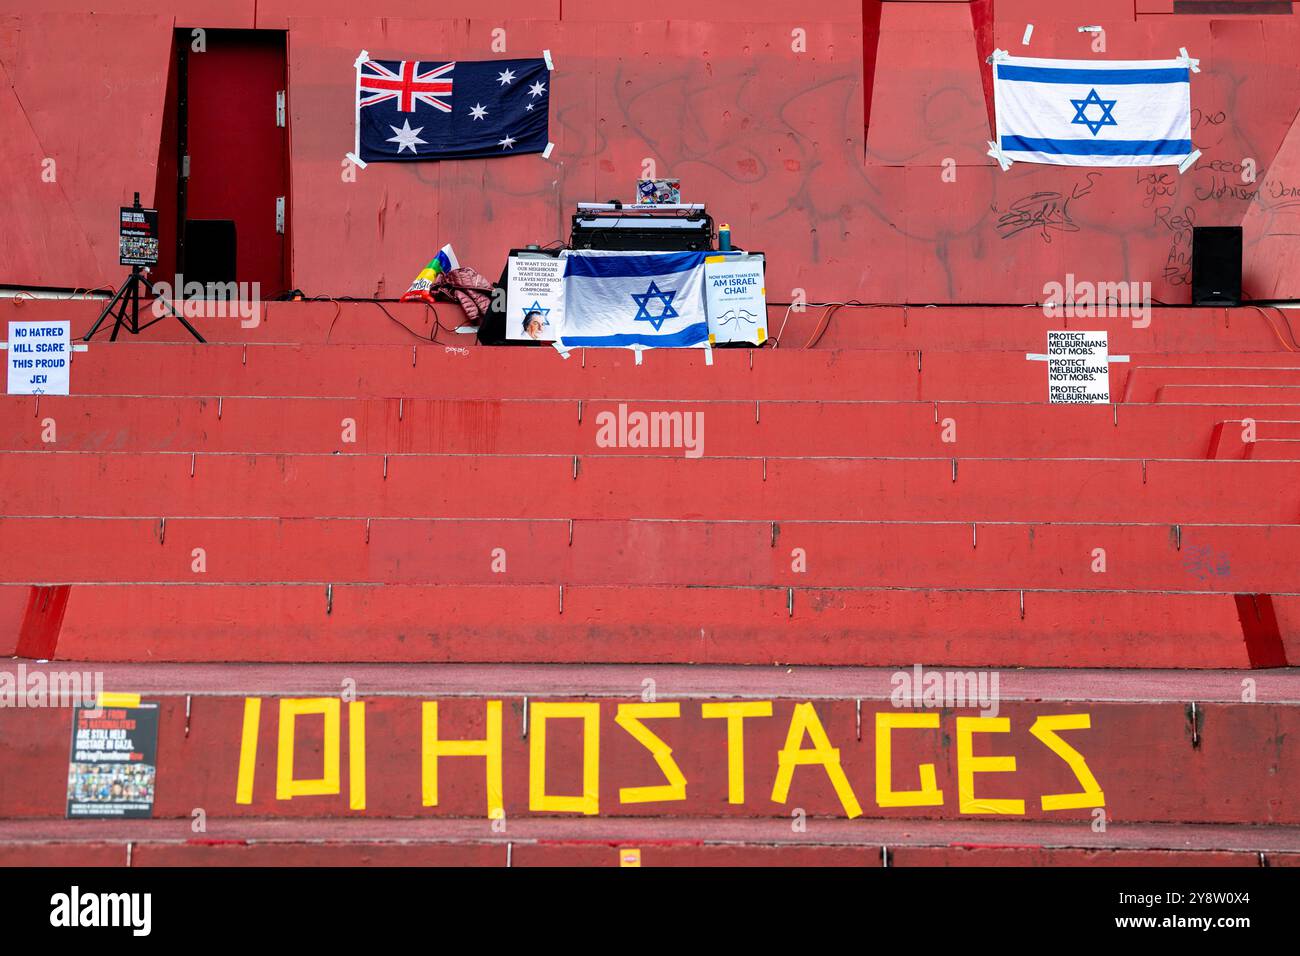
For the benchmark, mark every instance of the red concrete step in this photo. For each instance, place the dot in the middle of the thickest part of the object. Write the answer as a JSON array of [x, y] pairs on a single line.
[[646, 843], [437, 371], [293, 323], [229, 744], [1147, 383], [969, 489], [1232, 438], [1228, 558], [955, 328], [1260, 396], [572, 426], [1284, 449], [743, 625]]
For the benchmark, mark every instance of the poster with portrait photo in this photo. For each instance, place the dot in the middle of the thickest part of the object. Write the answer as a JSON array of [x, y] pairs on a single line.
[[113, 768], [534, 284]]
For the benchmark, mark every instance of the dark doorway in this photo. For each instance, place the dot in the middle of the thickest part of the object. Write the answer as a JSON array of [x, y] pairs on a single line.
[[233, 200]]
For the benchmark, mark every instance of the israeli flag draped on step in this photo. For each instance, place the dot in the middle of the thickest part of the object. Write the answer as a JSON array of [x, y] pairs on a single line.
[[633, 300], [1093, 112]]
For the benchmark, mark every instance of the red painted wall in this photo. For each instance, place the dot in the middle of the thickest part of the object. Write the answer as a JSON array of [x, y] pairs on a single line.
[[772, 139]]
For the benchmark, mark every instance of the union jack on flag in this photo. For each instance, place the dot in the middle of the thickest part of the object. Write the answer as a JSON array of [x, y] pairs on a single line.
[[407, 84], [438, 109]]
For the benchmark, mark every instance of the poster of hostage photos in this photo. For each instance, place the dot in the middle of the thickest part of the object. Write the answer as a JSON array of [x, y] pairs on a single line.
[[137, 236], [1078, 368], [114, 764]]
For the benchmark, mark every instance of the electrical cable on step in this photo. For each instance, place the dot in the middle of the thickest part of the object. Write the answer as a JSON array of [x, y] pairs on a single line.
[[338, 310], [824, 322], [1295, 345]]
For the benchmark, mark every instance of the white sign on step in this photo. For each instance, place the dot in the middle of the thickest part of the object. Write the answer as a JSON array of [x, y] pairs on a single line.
[[39, 358], [1078, 368]]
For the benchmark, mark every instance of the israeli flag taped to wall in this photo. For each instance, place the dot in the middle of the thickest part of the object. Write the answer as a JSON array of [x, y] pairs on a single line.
[[1093, 112], [633, 300]]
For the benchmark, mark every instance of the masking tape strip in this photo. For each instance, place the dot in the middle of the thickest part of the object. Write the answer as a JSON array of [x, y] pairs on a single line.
[[1189, 162], [1037, 357], [546, 153], [546, 55], [1029, 32], [355, 159], [708, 356], [109, 699], [996, 152], [1190, 62], [561, 348], [638, 353], [248, 750]]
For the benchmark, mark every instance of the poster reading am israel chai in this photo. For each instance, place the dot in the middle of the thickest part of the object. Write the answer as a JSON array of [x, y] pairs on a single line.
[[736, 299], [114, 764]]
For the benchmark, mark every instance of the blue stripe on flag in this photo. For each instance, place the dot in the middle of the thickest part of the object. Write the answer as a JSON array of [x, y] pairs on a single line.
[[1121, 77], [1099, 147], [618, 267], [691, 335]]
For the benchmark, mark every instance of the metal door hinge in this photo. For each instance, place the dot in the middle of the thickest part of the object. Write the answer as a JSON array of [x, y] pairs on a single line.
[[185, 167], [279, 107], [279, 214]]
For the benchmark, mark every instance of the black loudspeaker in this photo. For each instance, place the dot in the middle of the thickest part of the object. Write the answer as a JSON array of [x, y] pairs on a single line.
[[1216, 265], [209, 250]]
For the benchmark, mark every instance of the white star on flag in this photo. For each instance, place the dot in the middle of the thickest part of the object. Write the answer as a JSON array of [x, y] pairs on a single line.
[[478, 112], [537, 89], [507, 143], [506, 78], [406, 137], [529, 107]]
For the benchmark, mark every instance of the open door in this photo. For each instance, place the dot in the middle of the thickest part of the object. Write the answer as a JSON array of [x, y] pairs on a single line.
[[233, 137]]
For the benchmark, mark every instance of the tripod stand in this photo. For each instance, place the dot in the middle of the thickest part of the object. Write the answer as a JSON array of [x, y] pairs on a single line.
[[128, 298]]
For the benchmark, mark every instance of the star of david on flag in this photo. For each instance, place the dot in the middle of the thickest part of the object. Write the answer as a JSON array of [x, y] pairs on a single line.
[[1093, 112], [1081, 112], [665, 305], [412, 110]]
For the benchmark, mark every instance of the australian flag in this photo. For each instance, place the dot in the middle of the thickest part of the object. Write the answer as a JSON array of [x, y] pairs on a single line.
[[462, 109]]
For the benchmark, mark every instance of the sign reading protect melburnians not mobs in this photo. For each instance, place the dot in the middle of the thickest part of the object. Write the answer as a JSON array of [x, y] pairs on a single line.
[[39, 358], [1078, 368]]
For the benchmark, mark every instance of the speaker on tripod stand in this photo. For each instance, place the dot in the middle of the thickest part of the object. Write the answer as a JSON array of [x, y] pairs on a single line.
[[138, 248]]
